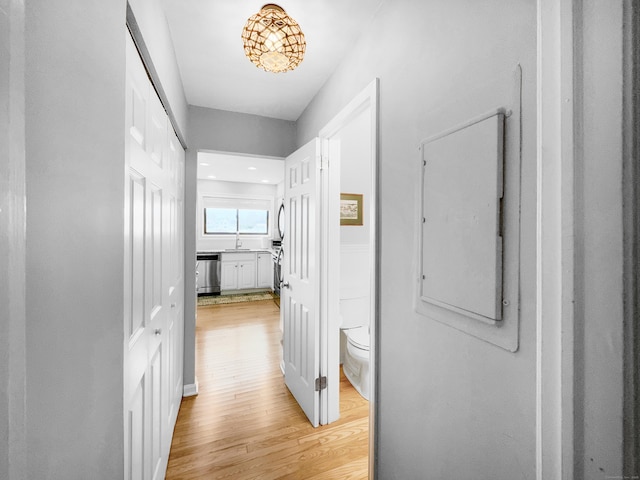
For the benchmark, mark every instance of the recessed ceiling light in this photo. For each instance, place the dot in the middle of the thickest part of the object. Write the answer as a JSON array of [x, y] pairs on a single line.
[[212, 176], [202, 164], [252, 168], [265, 181]]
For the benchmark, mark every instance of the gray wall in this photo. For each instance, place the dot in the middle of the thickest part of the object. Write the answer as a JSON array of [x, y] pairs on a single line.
[[600, 331], [12, 242], [75, 74], [222, 131], [450, 405]]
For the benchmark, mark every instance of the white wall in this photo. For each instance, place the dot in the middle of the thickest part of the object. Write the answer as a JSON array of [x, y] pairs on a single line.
[[355, 173], [354, 144], [600, 329], [12, 242], [450, 405], [75, 99], [234, 190]]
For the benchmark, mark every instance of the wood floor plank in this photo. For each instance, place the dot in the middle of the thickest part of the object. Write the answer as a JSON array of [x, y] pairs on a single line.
[[245, 424]]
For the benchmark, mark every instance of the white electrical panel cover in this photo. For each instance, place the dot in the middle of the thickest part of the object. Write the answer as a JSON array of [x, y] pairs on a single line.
[[468, 214], [461, 239]]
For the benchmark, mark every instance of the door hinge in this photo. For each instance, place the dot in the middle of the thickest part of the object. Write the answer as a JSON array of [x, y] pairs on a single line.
[[324, 162], [321, 383]]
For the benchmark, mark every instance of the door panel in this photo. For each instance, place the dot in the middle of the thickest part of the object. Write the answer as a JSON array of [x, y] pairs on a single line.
[[155, 414], [134, 444], [300, 292], [156, 247], [135, 319]]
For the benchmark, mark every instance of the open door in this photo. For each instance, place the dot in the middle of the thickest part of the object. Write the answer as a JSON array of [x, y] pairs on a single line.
[[300, 292]]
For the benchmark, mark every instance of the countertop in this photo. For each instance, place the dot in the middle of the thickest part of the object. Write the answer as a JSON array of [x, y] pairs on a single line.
[[240, 250]]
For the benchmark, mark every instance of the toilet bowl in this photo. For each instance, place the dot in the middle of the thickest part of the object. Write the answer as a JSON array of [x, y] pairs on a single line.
[[357, 360], [354, 323]]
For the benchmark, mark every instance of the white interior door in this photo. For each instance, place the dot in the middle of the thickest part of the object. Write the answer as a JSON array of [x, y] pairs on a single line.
[[300, 291]]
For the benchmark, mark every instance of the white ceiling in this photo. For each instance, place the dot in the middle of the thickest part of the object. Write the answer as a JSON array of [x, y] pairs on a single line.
[[217, 74], [240, 168]]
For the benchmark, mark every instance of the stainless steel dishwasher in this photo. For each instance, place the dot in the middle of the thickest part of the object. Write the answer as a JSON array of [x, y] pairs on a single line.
[[208, 274]]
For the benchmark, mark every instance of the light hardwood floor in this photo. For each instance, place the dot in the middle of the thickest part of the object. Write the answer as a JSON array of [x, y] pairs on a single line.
[[244, 424]]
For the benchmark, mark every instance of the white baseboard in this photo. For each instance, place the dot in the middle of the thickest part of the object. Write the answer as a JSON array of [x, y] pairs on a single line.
[[190, 390]]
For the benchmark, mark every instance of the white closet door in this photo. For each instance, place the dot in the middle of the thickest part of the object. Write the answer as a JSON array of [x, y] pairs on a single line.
[[152, 289]]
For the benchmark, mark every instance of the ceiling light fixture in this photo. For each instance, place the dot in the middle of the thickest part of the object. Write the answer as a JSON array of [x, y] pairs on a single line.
[[252, 168], [273, 40]]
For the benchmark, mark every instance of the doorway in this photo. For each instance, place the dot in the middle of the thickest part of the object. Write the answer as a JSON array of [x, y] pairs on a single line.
[[361, 111], [366, 101]]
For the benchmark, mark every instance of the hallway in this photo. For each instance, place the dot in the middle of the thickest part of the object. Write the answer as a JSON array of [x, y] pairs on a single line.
[[244, 423]]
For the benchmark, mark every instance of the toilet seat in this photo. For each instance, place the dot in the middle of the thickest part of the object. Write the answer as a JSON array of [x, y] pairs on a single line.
[[359, 337]]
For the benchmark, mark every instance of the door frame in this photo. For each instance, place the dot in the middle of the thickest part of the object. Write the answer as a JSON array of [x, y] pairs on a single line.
[[560, 344], [329, 293]]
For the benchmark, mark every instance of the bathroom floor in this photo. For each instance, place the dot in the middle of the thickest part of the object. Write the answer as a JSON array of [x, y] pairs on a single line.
[[244, 424]]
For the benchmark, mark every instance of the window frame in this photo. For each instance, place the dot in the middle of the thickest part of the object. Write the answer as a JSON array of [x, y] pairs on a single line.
[[237, 232]]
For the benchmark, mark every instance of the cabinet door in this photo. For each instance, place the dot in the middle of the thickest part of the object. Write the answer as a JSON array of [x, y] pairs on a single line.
[[229, 275], [247, 274], [265, 270]]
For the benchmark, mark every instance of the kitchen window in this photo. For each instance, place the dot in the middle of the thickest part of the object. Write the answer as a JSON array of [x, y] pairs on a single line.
[[223, 221]]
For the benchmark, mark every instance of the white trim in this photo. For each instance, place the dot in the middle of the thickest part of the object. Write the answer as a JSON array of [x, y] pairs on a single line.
[[190, 390], [238, 154], [367, 98], [555, 239], [354, 247], [201, 204]]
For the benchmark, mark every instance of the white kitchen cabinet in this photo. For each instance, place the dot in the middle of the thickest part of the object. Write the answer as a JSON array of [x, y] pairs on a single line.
[[238, 271], [265, 271], [229, 275], [246, 274]]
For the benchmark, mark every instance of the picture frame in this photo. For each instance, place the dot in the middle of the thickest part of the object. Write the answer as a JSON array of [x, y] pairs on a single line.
[[351, 209]]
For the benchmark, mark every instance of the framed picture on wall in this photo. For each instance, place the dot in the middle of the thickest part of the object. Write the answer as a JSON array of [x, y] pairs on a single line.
[[350, 209]]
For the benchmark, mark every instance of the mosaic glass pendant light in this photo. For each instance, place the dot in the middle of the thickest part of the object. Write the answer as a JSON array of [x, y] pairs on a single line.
[[273, 40]]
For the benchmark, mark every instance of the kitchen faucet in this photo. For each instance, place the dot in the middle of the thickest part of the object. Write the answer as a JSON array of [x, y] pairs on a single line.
[[238, 242]]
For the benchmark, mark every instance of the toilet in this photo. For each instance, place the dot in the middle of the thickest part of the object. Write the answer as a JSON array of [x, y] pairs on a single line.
[[354, 313]]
